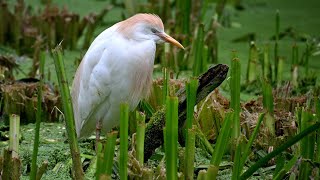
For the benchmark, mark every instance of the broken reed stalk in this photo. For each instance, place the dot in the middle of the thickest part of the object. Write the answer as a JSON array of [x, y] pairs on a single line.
[[141, 129], [221, 145], [295, 65], [191, 89], [11, 162], [33, 173], [11, 165], [268, 105], [105, 167], [190, 153], [252, 64], [235, 95], [68, 113], [171, 137], [14, 132], [266, 65], [202, 175], [42, 169], [124, 123]]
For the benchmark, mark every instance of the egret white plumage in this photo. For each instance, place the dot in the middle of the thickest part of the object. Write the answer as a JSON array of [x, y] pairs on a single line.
[[116, 68]]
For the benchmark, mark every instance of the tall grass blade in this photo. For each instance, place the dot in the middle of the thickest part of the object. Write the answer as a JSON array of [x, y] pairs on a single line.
[[286, 168], [237, 160], [33, 172], [183, 16], [124, 123], [307, 145], [171, 137], [14, 131], [235, 95], [280, 161], [220, 144], [68, 112], [279, 150], [247, 149], [191, 89]]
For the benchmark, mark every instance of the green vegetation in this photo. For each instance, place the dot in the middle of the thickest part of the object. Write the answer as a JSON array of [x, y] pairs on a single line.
[[261, 123]]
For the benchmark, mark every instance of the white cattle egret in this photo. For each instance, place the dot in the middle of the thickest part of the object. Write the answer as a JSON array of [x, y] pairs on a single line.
[[117, 68]]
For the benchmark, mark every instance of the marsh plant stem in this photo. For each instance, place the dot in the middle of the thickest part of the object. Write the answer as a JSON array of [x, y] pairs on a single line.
[[34, 168], [124, 123], [68, 113]]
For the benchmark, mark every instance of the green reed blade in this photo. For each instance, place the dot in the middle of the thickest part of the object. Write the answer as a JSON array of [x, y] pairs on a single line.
[[124, 123], [171, 136], [280, 161], [267, 96], [222, 138], [109, 153], [68, 112], [33, 172], [246, 152], [191, 89], [190, 153], [220, 145], [283, 147], [307, 144], [286, 168], [235, 80], [237, 160]]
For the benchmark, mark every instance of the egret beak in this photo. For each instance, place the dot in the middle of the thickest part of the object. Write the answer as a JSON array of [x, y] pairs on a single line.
[[170, 40]]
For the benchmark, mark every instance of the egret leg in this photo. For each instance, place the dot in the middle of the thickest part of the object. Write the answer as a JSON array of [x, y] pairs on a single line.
[[98, 132]]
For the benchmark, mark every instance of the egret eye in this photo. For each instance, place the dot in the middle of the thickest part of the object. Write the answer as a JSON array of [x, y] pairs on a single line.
[[153, 30]]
